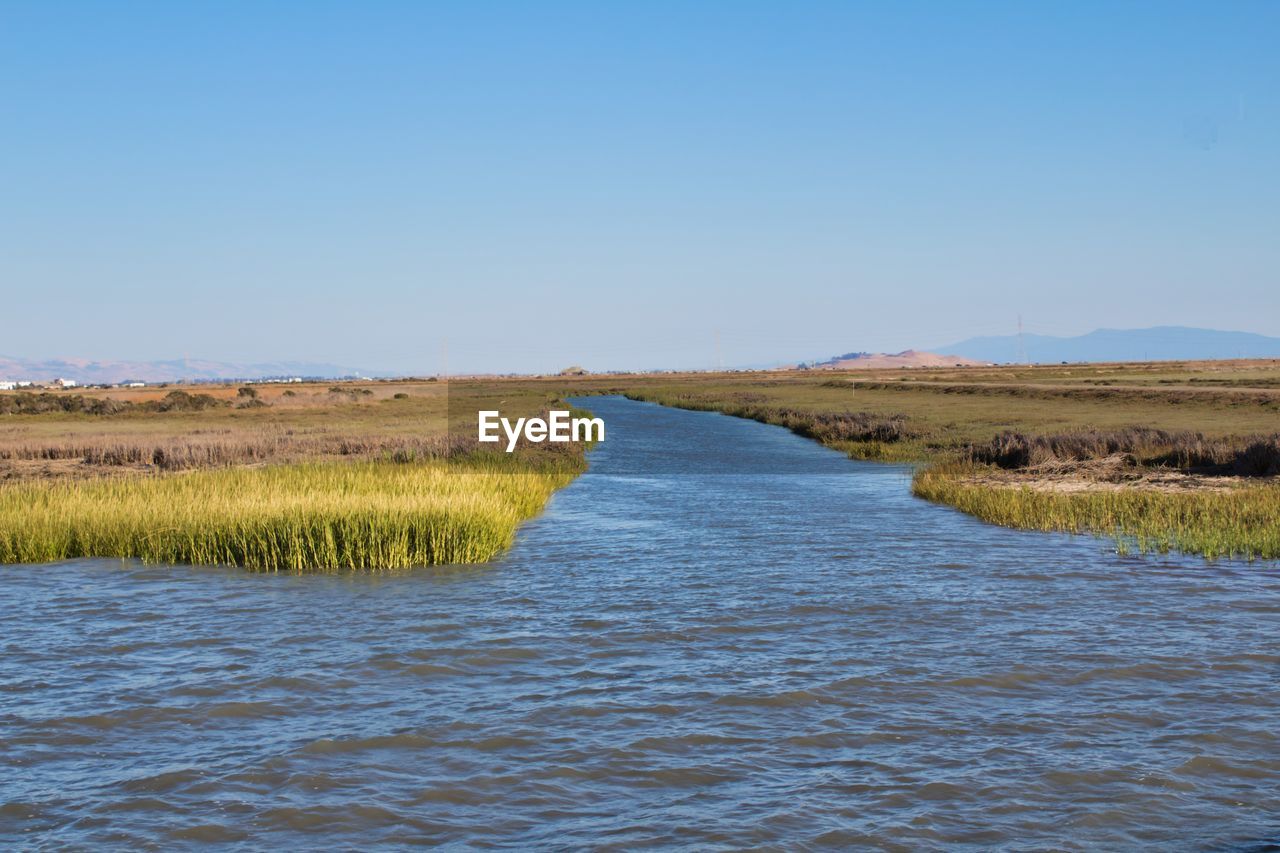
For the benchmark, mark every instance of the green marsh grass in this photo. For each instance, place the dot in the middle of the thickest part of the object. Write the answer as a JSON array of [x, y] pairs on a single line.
[[1240, 522], [306, 517]]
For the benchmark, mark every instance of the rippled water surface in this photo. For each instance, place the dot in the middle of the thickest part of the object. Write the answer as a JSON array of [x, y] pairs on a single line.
[[722, 636]]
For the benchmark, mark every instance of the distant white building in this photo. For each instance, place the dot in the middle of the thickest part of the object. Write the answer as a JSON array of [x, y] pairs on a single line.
[[24, 383], [6, 385], [65, 383], [135, 385]]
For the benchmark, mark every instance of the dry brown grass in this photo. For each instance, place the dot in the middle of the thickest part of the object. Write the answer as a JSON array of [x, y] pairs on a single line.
[[284, 424], [1245, 456], [119, 433]]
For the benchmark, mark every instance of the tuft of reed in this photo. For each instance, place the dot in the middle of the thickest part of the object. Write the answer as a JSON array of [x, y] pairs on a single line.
[[322, 516], [1248, 456], [1243, 522]]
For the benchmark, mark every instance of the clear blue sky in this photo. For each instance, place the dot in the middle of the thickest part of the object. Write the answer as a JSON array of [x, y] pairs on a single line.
[[609, 184]]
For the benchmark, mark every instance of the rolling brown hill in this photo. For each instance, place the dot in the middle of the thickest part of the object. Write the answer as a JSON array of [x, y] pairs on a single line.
[[906, 358]]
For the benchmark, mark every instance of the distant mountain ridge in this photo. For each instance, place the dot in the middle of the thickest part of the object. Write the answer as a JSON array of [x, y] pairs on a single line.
[[1159, 343], [88, 372]]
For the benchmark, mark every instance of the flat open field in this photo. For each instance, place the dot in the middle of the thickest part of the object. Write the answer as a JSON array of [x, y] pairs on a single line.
[[950, 408], [215, 425]]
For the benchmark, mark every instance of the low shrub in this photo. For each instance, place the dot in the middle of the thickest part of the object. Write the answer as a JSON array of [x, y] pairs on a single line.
[[1251, 456]]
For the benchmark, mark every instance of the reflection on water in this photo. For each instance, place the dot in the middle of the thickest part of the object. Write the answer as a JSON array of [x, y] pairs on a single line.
[[761, 644]]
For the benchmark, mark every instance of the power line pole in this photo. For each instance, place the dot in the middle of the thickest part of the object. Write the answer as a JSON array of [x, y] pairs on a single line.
[[1022, 344], [719, 353]]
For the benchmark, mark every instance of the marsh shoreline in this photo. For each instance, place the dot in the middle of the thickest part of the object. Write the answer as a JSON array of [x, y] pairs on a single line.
[[369, 477], [1147, 508]]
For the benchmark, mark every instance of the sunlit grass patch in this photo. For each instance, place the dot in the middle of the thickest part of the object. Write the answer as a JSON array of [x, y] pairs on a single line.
[[306, 517], [1241, 522]]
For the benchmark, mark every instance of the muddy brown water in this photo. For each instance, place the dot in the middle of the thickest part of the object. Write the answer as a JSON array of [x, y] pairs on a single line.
[[723, 636]]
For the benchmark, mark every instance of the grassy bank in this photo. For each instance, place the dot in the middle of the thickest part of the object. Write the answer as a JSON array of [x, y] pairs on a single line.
[[1162, 457], [311, 516], [312, 476], [1242, 522]]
